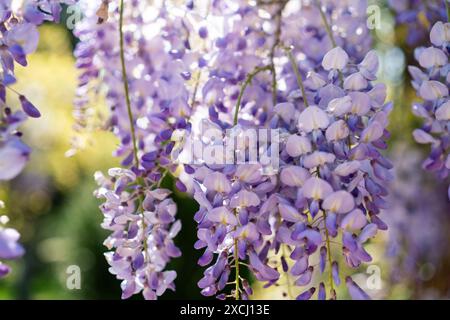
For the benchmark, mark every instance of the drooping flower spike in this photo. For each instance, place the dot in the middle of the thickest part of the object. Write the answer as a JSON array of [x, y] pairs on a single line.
[[431, 82], [19, 37]]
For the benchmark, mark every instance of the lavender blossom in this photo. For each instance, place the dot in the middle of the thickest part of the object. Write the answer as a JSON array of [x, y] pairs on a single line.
[[431, 82], [141, 240]]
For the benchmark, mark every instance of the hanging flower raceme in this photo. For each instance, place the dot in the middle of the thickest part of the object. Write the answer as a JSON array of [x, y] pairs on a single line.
[[431, 83], [335, 175], [141, 239], [157, 71], [332, 178], [144, 75], [18, 38]]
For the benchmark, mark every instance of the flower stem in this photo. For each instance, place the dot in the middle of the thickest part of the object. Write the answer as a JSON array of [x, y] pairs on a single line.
[[130, 117], [276, 42], [297, 74], [327, 242], [125, 84], [247, 82], [326, 24], [236, 265]]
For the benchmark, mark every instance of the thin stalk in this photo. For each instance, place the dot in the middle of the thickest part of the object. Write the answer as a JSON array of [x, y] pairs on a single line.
[[130, 116], [328, 245], [125, 84], [236, 265], [297, 75], [326, 24], [276, 42], [247, 82]]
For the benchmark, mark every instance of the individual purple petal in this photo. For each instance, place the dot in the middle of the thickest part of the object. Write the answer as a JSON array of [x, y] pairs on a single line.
[[368, 232], [28, 107], [248, 232], [354, 220], [294, 176], [369, 66], [13, 157], [331, 224], [289, 213], [312, 236], [244, 199], [340, 106], [335, 273], [432, 57], [218, 182], [339, 202], [322, 294], [323, 259], [360, 103], [355, 291], [317, 159], [440, 33], [355, 82], [336, 58], [249, 173], [443, 112], [285, 110], [432, 90], [264, 272], [305, 278], [347, 168], [222, 215], [349, 241], [337, 131], [307, 294], [313, 118], [423, 137], [297, 145], [316, 188], [374, 131]]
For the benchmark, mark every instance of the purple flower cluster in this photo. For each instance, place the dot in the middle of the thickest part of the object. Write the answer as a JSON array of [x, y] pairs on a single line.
[[335, 176], [143, 67], [141, 239], [157, 72], [432, 83], [238, 65], [18, 38], [332, 180]]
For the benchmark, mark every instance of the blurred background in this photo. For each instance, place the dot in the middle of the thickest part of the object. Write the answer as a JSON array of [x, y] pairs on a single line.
[[52, 205]]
